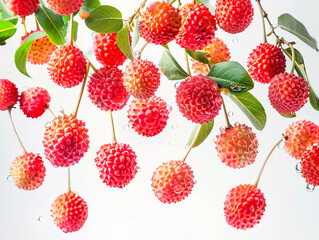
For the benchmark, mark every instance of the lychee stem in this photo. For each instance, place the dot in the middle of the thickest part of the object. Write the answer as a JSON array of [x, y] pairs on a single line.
[[15, 131], [187, 64], [293, 58], [263, 21], [135, 14], [226, 115], [192, 144], [71, 40], [69, 180], [142, 49], [82, 90], [113, 128], [25, 27], [48, 107]]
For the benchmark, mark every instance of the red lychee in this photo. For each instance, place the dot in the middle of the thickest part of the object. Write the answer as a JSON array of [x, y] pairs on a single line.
[[28, 171], [62, 7], [173, 181], [69, 212], [198, 99], [244, 206], [288, 93], [23, 8], [148, 116], [8, 94], [65, 141], [265, 62], [310, 165]]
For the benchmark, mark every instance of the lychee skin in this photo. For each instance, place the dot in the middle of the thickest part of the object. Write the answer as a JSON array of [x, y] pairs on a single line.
[[9, 94], [62, 7], [198, 27], [65, 141], [244, 206], [265, 62], [310, 165], [159, 24], [69, 212], [106, 89], [34, 101], [300, 136], [28, 171], [141, 78], [234, 16], [148, 116], [237, 147], [172, 181], [198, 99], [67, 66], [23, 8], [288, 93], [116, 163]]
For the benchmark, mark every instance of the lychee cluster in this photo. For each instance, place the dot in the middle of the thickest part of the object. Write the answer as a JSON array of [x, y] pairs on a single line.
[[310, 165], [63, 7], [23, 8], [9, 94]]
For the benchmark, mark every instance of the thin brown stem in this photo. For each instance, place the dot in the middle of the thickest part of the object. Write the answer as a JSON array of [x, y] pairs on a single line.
[[48, 107], [226, 115], [192, 145], [113, 128], [82, 90], [69, 180], [187, 64], [15, 131], [71, 40], [136, 14], [25, 27], [263, 21]]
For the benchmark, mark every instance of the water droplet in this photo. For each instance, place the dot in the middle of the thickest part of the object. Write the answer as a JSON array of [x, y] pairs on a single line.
[[195, 181], [281, 145], [126, 127], [230, 114], [138, 169], [236, 124], [178, 189], [310, 188], [61, 110], [136, 54], [40, 218], [176, 85], [169, 108], [222, 129], [172, 142], [174, 126], [215, 139], [25, 88], [298, 167], [186, 147], [10, 178], [235, 40], [47, 124], [89, 52], [161, 71]]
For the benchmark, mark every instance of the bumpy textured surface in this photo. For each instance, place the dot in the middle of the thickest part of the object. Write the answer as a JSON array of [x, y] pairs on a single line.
[[28, 171], [69, 212], [234, 16], [106, 89], [301, 135], [23, 8], [34, 101], [148, 116], [116, 163], [198, 27], [106, 50], [265, 62], [244, 206], [172, 181], [63, 7], [141, 78], [8, 94], [159, 23], [237, 147], [288, 93], [65, 141], [67, 66], [198, 99], [310, 165]]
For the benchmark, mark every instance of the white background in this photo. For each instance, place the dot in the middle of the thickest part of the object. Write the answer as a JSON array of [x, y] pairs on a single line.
[[134, 212]]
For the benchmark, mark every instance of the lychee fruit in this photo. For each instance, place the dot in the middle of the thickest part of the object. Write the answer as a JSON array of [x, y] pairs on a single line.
[[23, 8], [9, 94], [197, 28], [244, 206], [265, 62], [288, 93], [173, 181], [141, 78], [62, 7], [116, 163], [234, 16], [300, 136], [159, 23], [34, 101], [69, 212], [148, 116], [28, 171], [65, 140], [198, 99], [67, 66], [310, 165]]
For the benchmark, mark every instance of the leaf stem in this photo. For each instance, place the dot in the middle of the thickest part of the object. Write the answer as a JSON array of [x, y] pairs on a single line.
[[15, 130], [25, 27], [71, 40], [135, 14], [192, 144], [82, 89], [69, 180], [112, 124], [48, 107], [263, 20], [226, 115], [187, 64], [293, 58]]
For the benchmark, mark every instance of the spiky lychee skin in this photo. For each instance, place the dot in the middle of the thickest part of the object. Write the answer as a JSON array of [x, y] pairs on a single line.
[[237, 147], [300, 136], [28, 171], [265, 62], [69, 212], [65, 141], [23, 8], [288, 93], [198, 27], [106, 50], [63, 7], [234, 16], [244, 206], [148, 116], [198, 99], [9, 94], [67, 66], [310, 165], [199, 68], [116, 163], [141, 78], [159, 24], [34, 101], [173, 181]]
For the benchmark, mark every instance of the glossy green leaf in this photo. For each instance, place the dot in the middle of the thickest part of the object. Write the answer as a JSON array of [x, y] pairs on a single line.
[[6, 14], [204, 131], [7, 30], [288, 115], [123, 42], [91, 3], [136, 37], [198, 55]]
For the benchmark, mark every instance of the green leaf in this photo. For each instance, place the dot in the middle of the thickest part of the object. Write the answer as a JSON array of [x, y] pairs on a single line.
[[204, 131], [251, 107], [288, 115], [66, 18], [91, 3], [75, 30], [198, 55], [6, 14], [7, 30], [105, 19], [136, 37], [123, 42], [166, 46], [3, 43], [172, 70], [292, 25], [231, 75]]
